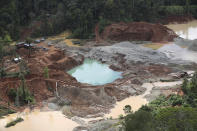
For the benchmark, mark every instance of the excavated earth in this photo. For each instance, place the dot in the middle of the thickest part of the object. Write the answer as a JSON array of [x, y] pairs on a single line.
[[136, 31], [40, 87], [138, 64]]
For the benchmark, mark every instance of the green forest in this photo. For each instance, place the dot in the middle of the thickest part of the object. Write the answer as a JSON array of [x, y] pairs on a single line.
[[48, 17], [173, 113]]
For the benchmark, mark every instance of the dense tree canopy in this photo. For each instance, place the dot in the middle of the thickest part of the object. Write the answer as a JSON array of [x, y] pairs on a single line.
[[81, 16], [172, 113], [167, 119]]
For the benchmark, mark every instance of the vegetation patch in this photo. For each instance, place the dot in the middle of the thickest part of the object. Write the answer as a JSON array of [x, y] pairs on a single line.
[[13, 123], [5, 111], [46, 18], [173, 113]]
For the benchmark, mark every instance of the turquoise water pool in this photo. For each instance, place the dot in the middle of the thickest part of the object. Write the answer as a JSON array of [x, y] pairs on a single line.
[[94, 73]]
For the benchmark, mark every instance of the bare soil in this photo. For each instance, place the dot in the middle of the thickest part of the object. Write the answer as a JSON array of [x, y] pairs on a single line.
[[136, 31]]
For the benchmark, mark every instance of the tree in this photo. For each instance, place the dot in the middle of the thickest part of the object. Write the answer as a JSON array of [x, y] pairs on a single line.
[[176, 119], [29, 41], [46, 72], [1, 51], [187, 6], [2, 72], [185, 85], [139, 121], [127, 109]]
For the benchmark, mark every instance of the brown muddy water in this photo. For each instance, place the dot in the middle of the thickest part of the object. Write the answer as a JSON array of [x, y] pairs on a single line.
[[186, 30], [39, 121], [137, 101], [56, 121]]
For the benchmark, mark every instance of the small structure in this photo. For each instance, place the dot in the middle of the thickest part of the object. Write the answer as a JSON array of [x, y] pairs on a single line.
[[24, 45], [17, 59], [37, 41], [20, 45], [50, 44], [76, 42], [43, 48], [42, 39], [29, 45]]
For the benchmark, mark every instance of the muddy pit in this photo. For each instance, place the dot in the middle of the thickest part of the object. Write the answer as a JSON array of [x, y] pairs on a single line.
[[138, 65], [186, 30], [39, 121]]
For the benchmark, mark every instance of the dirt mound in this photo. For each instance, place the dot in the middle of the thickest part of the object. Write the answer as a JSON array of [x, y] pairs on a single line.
[[85, 96], [42, 88], [158, 70], [23, 52], [38, 87], [137, 31], [66, 63], [56, 55]]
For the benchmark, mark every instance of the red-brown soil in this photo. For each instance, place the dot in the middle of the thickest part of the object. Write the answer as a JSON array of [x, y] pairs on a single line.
[[40, 87], [26, 32], [137, 31]]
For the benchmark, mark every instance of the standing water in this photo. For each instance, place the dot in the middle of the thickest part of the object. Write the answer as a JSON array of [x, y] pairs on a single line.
[[39, 121], [94, 73], [137, 101], [186, 31]]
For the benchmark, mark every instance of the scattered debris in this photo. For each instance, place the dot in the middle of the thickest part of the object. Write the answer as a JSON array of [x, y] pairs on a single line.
[[17, 59], [37, 41], [76, 42], [50, 44]]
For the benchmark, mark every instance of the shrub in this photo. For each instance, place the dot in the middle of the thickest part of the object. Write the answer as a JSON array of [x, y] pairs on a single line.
[[121, 117], [13, 123], [12, 93], [127, 109], [5, 111], [2, 73], [193, 10], [102, 24], [21, 95], [175, 100], [174, 10], [139, 121], [177, 119], [46, 72], [146, 108]]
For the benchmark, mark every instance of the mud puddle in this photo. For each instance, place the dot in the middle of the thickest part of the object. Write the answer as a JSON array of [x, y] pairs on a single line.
[[137, 101], [39, 121], [186, 31]]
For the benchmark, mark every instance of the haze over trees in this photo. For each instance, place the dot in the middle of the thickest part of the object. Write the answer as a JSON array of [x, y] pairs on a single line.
[[48, 17]]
